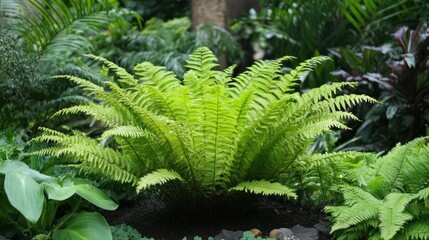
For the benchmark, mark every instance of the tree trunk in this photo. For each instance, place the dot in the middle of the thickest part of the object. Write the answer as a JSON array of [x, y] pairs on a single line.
[[219, 12]]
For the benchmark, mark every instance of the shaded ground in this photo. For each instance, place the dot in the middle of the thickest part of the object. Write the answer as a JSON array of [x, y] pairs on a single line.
[[152, 219]]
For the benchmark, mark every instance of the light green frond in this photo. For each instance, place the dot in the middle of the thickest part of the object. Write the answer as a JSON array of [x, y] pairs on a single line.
[[355, 195], [262, 79], [152, 99], [311, 130], [125, 131], [265, 188], [89, 152], [123, 75], [322, 158], [352, 216], [217, 137], [417, 230], [201, 62], [424, 195], [110, 116], [294, 76], [157, 76], [159, 176], [392, 166], [343, 102], [326, 91], [84, 84], [392, 215], [241, 106]]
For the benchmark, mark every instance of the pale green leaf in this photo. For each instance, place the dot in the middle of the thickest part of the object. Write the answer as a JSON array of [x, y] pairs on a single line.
[[25, 194], [84, 226]]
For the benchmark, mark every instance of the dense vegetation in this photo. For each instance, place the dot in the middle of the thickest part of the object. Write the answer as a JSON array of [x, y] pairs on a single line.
[[103, 99]]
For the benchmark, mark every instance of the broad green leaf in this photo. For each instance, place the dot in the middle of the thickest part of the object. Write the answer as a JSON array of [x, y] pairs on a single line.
[[57, 192], [18, 166], [25, 194], [92, 194], [84, 226]]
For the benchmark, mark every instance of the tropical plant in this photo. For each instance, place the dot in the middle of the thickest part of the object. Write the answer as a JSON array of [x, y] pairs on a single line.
[[299, 27], [207, 137], [388, 198], [41, 206], [303, 27], [165, 43], [315, 174], [40, 39], [401, 84]]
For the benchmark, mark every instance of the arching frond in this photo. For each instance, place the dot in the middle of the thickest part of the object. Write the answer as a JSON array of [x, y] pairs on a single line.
[[265, 188], [159, 176], [164, 80], [392, 215], [123, 75], [202, 63]]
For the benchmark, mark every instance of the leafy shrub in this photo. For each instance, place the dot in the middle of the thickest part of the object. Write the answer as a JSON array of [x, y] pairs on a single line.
[[209, 136], [398, 75], [38, 205], [389, 197], [315, 174], [164, 43], [40, 41], [304, 27]]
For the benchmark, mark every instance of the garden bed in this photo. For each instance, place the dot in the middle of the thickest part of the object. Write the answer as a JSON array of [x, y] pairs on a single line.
[[152, 219]]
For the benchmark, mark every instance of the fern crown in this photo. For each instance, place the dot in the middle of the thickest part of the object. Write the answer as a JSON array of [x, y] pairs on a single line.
[[212, 133]]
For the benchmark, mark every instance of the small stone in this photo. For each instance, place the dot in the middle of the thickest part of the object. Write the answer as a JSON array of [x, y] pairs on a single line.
[[322, 226], [285, 233], [256, 232], [229, 235], [273, 233], [304, 233]]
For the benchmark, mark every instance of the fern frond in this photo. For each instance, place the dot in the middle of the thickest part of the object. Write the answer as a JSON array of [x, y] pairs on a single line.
[[110, 116], [392, 166], [343, 102], [159, 176], [417, 230], [149, 74], [123, 75], [294, 76], [202, 62], [352, 216], [424, 195], [126, 131], [84, 84], [265, 188], [360, 206], [392, 215], [322, 158]]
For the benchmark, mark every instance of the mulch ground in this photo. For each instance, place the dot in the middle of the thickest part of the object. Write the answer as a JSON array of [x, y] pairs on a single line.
[[152, 219]]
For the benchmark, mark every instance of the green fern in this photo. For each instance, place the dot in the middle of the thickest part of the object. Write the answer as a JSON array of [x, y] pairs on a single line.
[[265, 188], [392, 193], [213, 133]]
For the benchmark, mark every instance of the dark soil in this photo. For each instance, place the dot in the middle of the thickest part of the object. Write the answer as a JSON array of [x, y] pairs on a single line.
[[152, 219]]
